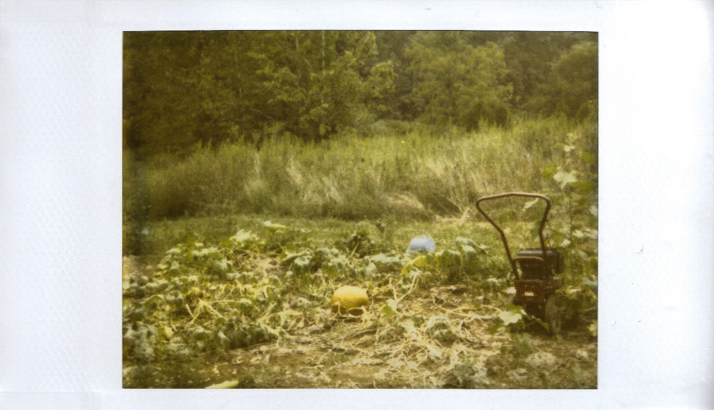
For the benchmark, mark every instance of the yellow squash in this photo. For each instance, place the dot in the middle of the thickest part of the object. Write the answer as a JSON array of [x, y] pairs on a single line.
[[349, 299]]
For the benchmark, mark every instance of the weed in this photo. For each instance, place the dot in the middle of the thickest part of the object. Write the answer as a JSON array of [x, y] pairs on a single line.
[[417, 174]]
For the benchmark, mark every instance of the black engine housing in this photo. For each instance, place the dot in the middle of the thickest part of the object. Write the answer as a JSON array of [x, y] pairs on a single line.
[[532, 269]]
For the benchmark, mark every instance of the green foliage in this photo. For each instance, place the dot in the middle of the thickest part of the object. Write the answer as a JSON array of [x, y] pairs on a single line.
[[270, 280], [577, 84], [593, 328], [323, 80], [514, 319], [386, 263], [511, 318], [572, 86], [358, 243], [573, 224], [140, 343], [389, 308], [204, 298], [531, 59], [521, 344], [188, 88], [218, 297], [575, 221], [458, 83], [417, 175], [580, 303]]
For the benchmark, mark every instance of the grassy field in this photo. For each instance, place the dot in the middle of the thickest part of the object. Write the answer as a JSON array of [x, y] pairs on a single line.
[[232, 255], [401, 170]]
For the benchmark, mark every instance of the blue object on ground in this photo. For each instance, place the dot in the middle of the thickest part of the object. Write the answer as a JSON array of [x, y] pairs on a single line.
[[422, 244]]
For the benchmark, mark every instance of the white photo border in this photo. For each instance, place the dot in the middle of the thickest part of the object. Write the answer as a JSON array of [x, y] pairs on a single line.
[[60, 197]]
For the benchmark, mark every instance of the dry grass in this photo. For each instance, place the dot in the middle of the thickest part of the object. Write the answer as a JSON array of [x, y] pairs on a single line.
[[419, 173]]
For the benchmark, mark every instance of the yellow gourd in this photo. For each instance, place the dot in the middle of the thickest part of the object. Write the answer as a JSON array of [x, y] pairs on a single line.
[[349, 299]]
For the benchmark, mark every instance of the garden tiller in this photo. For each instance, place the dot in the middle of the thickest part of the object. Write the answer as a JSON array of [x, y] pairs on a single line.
[[536, 282]]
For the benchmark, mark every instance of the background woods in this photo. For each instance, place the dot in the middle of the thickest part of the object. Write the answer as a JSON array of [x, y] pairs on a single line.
[[184, 89]]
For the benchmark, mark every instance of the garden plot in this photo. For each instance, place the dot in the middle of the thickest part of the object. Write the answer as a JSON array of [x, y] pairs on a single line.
[[253, 312]]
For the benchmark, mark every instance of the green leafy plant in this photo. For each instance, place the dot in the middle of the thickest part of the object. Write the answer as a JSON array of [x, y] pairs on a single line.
[[574, 226], [513, 318]]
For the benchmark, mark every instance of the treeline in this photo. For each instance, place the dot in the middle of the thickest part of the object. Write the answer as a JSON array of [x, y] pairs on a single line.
[[188, 89]]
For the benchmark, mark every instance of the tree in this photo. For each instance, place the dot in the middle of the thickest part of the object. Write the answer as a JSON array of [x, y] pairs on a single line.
[[576, 81], [320, 82], [529, 56], [187, 88], [392, 47], [159, 111], [570, 85], [458, 83]]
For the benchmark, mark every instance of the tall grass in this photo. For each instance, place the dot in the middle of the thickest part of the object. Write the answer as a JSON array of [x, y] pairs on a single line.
[[411, 172]]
